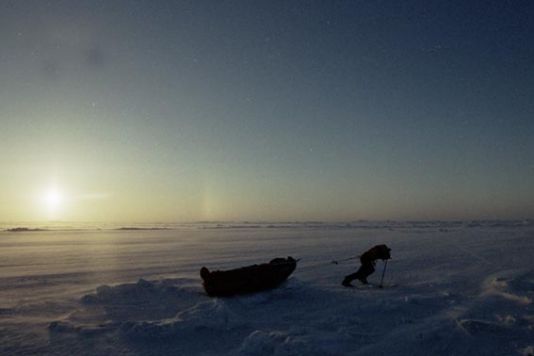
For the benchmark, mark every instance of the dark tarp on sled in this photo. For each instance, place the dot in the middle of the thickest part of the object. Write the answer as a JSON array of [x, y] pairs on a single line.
[[248, 279]]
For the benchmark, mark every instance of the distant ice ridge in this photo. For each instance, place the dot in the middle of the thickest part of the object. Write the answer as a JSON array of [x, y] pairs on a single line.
[[442, 226]]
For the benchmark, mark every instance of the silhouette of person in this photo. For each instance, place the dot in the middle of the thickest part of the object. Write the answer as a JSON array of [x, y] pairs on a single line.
[[368, 260]]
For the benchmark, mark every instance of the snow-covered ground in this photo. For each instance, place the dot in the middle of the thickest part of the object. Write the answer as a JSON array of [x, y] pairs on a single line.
[[452, 289]]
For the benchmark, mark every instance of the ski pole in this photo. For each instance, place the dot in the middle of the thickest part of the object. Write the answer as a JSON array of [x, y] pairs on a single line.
[[383, 273]]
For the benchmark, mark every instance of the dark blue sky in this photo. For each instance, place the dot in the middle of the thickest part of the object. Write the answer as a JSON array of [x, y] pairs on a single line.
[[286, 110]]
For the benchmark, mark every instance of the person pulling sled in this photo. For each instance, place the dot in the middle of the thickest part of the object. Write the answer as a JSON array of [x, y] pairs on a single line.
[[368, 260]]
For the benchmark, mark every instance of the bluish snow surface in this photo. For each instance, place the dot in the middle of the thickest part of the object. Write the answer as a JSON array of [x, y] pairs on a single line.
[[452, 289]]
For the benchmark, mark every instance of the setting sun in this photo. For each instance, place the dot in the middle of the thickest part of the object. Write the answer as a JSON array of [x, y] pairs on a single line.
[[52, 199]]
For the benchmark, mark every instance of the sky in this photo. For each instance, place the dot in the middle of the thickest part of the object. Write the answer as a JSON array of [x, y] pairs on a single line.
[[154, 111]]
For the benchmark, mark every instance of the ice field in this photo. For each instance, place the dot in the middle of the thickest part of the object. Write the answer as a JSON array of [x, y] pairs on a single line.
[[452, 288]]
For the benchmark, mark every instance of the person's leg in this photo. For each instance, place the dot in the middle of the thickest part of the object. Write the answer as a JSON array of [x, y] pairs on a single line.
[[365, 270], [361, 274], [350, 278]]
